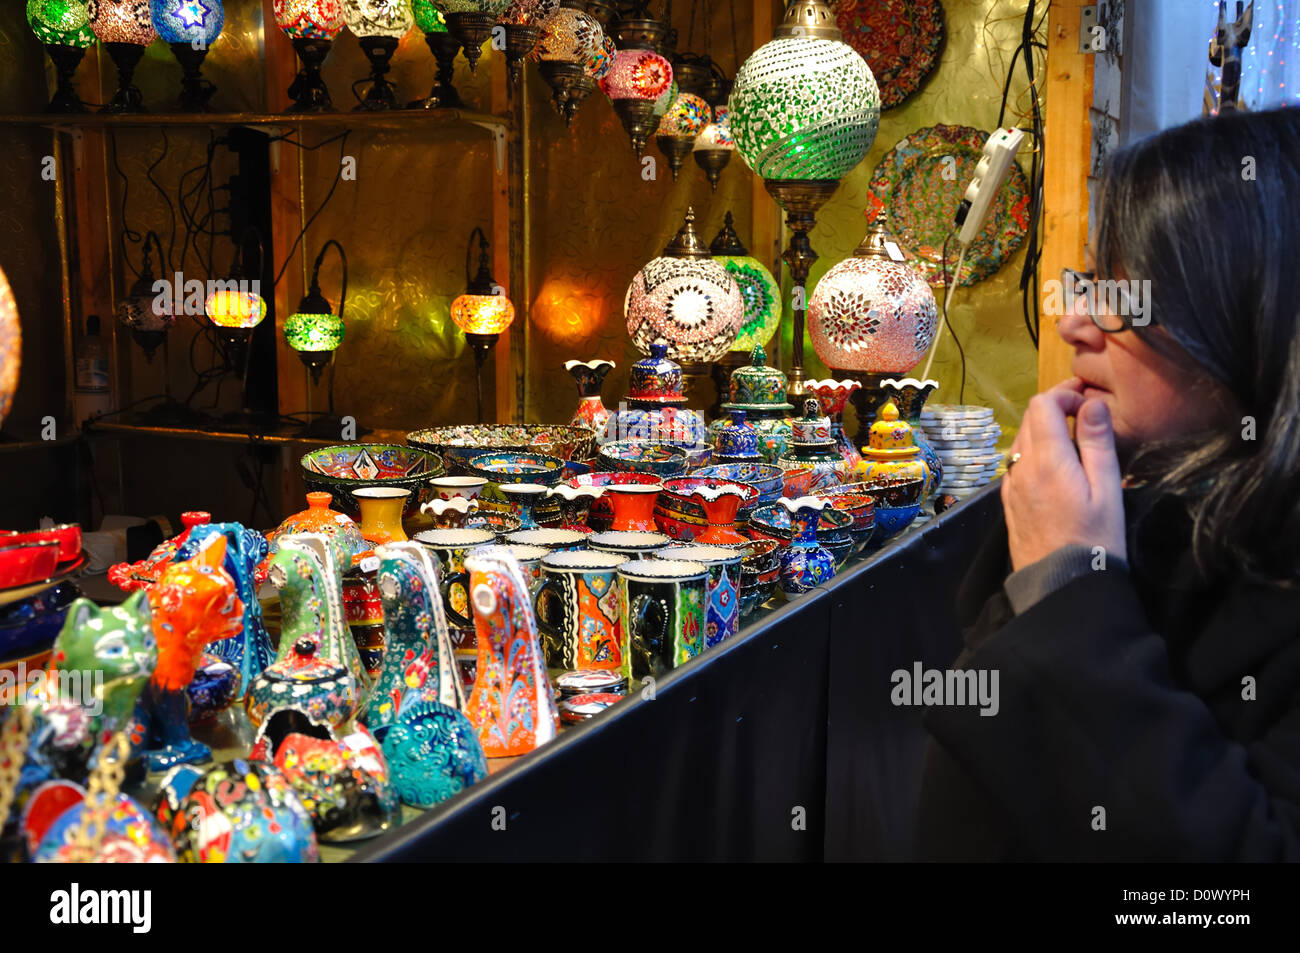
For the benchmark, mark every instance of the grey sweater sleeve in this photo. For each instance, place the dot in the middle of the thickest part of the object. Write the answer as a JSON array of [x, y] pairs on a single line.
[[1034, 582]]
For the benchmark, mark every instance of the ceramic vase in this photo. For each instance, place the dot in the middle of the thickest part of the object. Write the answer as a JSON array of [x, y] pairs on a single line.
[[720, 507], [909, 396], [805, 564], [512, 705], [381, 513], [524, 498], [589, 375], [634, 506]]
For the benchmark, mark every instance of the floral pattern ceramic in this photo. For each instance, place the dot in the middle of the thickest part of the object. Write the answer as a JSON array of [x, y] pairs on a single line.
[[320, 689], [130, 836], [900, 40], [343, 783], [764, 477], [578, 613], [892, 454], [722, 610], [662, 460], [805, 564], [909, 395], [458, 444], [738, 439], [433, 753], [342, 531], [347, 467], [589, 375], [512, 706], [655, 410], [662, 603]]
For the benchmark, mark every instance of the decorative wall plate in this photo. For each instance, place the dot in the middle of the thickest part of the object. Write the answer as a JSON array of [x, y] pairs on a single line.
[[900, 40], [920, 193]]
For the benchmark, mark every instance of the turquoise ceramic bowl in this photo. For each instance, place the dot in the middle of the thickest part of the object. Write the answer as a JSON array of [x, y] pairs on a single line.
[[660, 459], [508, 466]]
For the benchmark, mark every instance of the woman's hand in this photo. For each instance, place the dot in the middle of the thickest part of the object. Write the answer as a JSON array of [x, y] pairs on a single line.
[[1054, 495]]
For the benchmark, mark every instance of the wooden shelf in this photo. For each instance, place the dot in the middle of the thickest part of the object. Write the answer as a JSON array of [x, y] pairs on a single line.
[[453, 122], [279, 436]]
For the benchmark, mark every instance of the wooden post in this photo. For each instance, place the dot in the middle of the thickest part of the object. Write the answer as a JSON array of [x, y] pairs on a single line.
[[1068, 140], [766, 241]]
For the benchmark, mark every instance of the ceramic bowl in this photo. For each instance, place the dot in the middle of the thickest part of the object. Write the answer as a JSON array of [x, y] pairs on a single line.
[[22, 564], [552, 539], [510, 466], [67, 535], [601, 515], [453, 487], [892, 520], [344, 468], [458, 444], [575, 468], [681, 515], [660, 459], [887, 493], [760, 573], [772, 521], [33, 623], [697, 457], [630, 544], [763, 476], [499, 522]]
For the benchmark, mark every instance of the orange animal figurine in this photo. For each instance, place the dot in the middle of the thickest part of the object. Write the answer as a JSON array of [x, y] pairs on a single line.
[[194, 602], [512, 705]]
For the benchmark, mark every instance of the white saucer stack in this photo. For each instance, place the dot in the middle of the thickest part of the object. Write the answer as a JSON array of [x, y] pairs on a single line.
[[964, 437]]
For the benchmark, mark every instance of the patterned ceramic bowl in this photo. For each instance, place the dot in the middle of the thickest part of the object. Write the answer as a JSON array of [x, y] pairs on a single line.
[[660, 459], [760, 573], [766, 478], [681, 516], [887, 493], [772, 521], [499, 522], [458, 444], [862, 507], [601, 515], [892, 520], [341, 469], [509, 466]]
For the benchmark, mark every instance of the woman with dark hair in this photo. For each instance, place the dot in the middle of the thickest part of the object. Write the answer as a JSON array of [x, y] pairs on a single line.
[[1141, 605]]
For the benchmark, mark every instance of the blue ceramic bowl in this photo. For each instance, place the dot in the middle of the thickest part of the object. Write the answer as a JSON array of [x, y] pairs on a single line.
[[35, 622], [892, 520], [659, 459], [765, 477], [509, 466], [772, 521]]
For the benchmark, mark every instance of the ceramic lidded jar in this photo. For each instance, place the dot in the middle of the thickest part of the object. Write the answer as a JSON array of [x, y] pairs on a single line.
[[892, 454], [738, 442], [910, 395], [812, 446], [323, 689], [590, 375], [760, 391], [655, 410]]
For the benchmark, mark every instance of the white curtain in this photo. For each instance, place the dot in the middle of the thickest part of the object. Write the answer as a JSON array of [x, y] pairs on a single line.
[[1167, 53]]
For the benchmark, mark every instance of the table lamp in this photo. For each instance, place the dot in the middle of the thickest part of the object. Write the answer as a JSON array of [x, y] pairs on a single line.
[[63, 26], [189, 27], [378, 25], [125, 27], [482, 312], [804, 111], [312, 26]]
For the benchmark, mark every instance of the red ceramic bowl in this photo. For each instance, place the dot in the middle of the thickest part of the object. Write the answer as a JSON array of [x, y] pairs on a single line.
[[67, 535], [22, 564]]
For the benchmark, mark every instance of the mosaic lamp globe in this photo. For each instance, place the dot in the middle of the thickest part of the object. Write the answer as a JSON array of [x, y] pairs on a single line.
[[871, 313], [471, 22], [804, 105], [378, 26], [125, 27], [312, 26], [636, 83], [686, 299], [444, 47], [522, 21], [189, 27], [236, 312], [679, 127], [63, 26], [11, 346], [758, 289], [145, 313], [572, 52], [483, 312], [714, 146]]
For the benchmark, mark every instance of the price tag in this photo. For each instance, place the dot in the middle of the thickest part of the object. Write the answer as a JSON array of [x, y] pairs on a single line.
[[370, 564], [894, 253]]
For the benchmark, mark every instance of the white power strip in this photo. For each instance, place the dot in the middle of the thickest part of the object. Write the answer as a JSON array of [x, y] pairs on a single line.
[[999, 152]]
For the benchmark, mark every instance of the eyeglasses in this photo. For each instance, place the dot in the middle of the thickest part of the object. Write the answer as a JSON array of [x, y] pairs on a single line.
[[1120, 313]]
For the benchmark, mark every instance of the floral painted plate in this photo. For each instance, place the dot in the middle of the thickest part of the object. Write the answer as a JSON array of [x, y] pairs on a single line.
[[899, 39], [920, 189]]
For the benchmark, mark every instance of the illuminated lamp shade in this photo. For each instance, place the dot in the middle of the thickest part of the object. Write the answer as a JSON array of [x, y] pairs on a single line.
[[64, 27], [666, 100], [713, 146], [378, 25], [679, 127], [471, 22], [804, 105], [444, 46], [125, 27], [428, 18], [522, 21], [483, 311], [528, 11], [145, 313], [312, 26], [190, 27], [872, 314], [636, 83], [314, 333], [568, 54], [686, 299], [11, 346], [758, 289], [236, 309], [602, 60]]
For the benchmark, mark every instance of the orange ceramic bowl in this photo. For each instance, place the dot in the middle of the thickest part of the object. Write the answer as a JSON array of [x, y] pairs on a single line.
[[22, 564]]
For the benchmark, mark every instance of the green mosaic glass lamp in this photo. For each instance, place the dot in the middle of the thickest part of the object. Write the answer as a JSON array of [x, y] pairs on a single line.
[[64, 27], [804, 111], [758, 289], [314, 331], [444, 47]]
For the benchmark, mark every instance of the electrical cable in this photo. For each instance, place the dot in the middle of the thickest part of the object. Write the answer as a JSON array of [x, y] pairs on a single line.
[[338, 177], [947, 300]]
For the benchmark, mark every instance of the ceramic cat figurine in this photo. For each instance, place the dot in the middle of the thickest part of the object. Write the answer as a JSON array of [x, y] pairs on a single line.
[[250, 651], [193, 603], [311, 601], [512, 705], [432, 749], [418, 658]]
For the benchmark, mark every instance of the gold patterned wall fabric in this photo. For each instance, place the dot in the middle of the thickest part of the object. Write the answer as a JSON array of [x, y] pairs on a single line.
[[965, 89]]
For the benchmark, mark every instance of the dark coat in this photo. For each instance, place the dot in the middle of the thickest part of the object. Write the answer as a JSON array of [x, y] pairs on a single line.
[[1122, 690]]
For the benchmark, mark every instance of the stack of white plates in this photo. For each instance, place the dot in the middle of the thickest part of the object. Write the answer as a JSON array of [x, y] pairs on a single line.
[[964, 437]]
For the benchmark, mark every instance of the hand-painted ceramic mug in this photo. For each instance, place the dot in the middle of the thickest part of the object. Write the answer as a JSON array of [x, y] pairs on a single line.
[[552, 539], [662, 601], [529, 559], [450, 546], [722, 613], [630, 543], [578, 611]]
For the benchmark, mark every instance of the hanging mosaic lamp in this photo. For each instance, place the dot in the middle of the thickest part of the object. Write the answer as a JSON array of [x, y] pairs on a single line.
[[444, 46], [471, 22], [483, 312], [570, 53], [522, 21], [378, 25], [758, 289], [679, 127], [873, 314], [312, 26], [11, 346], [190, 27], [714, 146], [145, 313], [125, 27], [636, 82], [686, 299], [63, 26]]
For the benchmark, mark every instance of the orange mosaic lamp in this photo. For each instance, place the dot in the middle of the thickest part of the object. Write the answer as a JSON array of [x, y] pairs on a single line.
[[483, 311]]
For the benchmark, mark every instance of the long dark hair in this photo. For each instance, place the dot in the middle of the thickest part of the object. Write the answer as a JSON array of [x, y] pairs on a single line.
[[1210, 213]]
